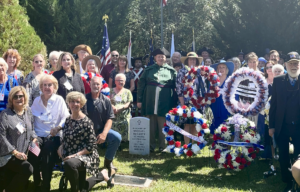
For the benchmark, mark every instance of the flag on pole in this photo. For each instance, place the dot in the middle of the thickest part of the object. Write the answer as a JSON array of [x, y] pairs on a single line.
[[164, 2], [172, 46], [151, 60], [105, 56], [129, 52], [34, 148]]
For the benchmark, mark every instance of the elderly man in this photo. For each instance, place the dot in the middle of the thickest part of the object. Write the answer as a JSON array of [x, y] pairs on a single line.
[[176, 57], [155, 92], [100, 111], [107, 69], [285, 116], [82, 51]]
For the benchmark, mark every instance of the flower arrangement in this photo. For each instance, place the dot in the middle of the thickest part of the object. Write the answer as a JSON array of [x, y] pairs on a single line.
[[202, 127], [231, 85], [105, 89], [242, 151], [210, 97]]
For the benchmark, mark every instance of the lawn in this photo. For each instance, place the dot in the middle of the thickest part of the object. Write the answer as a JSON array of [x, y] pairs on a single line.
[[199, 173]]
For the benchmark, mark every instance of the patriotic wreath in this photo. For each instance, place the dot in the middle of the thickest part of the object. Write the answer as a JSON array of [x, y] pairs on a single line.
[[210, 97], [236, 143], [87, 78], [267, 111], [231, 85], [173, 118]]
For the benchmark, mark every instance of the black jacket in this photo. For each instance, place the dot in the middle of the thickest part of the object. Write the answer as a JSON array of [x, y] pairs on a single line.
[[77, 83], [278, 103]]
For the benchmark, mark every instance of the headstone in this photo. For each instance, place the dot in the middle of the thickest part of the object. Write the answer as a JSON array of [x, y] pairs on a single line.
[[139, 142]]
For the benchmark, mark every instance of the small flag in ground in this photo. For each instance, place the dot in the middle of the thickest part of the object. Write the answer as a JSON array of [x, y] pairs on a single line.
[[34, 148]]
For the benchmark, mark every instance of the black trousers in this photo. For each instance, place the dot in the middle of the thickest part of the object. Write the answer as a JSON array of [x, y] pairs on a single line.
[[288, 132], [16, 174], [75, 172], [45, 161]]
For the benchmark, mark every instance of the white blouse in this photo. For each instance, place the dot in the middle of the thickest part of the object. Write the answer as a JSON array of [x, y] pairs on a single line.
[[46, 118]]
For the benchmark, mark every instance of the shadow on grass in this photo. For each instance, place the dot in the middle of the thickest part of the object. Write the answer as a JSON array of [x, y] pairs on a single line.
[[200, 170]]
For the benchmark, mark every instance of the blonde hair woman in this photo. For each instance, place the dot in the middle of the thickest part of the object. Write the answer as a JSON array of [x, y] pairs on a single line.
[[16, 132], [31, 82]]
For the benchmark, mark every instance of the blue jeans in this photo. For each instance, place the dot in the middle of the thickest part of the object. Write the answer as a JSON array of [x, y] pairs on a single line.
[[113, 140]]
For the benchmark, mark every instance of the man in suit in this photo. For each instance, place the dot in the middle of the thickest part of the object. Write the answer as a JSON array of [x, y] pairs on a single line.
[[285, 116]]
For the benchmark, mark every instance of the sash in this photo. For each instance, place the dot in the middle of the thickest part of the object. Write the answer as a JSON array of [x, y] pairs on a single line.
[[240, 144], [137, 75]]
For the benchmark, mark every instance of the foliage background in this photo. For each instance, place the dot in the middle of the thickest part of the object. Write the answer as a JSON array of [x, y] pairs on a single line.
[[226, 26]]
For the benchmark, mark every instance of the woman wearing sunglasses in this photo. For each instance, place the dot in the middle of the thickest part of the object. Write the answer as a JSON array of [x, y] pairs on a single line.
[[50, 112], [16, 133]]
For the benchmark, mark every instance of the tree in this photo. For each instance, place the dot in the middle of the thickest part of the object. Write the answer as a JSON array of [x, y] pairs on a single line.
[[16, 33]]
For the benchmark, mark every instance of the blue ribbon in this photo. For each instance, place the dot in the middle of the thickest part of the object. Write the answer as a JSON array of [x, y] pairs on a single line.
[[240, 144]]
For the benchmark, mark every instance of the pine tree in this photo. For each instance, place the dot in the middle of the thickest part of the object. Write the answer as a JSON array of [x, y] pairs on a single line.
[[17, 33]]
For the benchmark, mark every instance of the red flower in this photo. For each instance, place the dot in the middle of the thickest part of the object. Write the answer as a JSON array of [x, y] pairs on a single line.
[[216, 157], [250, 150], [175, 111], [184, 115], [104, 86], [213, 144], [165, 124], [184, 92], [177, 144], [230, 165], [224, 129], [192, 114], [228, 157], [241, 167], [199, 134], [247, 141], [170, 132], [243, 161], [204, 125], [183, 107], [253, 155], [189, 153], [225, 166], [241, 136], [171, 142], [185, 146], [238, 159], [217, 151]]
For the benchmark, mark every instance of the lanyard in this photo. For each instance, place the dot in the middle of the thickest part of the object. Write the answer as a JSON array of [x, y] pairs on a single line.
[[4, 85]]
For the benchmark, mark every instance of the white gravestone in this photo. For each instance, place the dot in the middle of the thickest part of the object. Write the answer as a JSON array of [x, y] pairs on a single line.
[[139, 133]]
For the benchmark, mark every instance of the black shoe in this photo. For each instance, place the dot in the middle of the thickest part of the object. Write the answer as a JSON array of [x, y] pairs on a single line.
[[111, 174], [109, 165], [288, 187]]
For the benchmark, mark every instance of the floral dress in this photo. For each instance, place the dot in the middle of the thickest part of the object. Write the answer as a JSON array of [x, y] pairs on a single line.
[[77, 135], [121, 121]]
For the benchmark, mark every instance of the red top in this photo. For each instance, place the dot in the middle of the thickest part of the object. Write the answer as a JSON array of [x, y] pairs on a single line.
[[106, 71]]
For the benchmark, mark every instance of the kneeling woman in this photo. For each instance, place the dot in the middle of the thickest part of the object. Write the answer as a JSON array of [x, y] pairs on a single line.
[[16, 132], [79, 148], [50, 112]]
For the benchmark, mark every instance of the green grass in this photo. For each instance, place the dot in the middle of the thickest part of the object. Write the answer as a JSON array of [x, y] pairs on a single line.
[[199, 173]]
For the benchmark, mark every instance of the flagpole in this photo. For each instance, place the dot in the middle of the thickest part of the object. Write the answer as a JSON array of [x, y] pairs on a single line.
[[162, 22], [194, 40]]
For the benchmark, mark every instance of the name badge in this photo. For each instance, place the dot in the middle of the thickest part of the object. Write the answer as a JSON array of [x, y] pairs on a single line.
[[20, 128], [118, 98], [1, 96], [68, 85]]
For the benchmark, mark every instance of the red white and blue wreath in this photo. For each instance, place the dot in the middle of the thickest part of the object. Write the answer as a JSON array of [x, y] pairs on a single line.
[[173, 118], [210, 97], [231, 85], [236, 143]]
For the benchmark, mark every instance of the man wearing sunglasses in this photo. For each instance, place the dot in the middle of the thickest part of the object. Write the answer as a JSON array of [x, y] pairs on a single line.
[[285, 116], [107, 69]]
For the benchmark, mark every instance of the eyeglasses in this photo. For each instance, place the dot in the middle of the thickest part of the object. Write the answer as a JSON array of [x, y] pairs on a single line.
[[270, 67], [120, 80], [48, 85], [115, 55], [16, 97]]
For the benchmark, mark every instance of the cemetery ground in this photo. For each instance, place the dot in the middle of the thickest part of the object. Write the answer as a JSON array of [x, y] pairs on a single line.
[[171, 173]]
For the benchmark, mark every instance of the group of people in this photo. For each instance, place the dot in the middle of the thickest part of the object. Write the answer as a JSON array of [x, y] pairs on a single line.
[[68, 107]]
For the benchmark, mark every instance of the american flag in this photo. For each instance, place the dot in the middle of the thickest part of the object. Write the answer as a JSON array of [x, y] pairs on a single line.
[[34, 148], [129, 52], [105, 56]]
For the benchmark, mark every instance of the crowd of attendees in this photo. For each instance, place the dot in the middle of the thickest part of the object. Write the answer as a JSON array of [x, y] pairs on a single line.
[[60, 108]]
